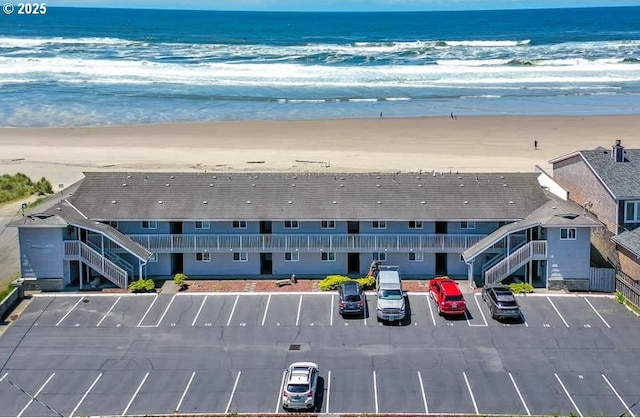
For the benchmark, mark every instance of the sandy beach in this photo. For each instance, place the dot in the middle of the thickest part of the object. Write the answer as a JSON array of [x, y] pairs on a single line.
[[467, 144]]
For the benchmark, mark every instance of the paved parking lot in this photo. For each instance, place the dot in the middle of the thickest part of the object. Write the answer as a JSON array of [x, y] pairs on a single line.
[[216, 353]]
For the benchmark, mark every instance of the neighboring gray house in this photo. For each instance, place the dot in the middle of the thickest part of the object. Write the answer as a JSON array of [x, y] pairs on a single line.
[[607, 183], [121, 226]]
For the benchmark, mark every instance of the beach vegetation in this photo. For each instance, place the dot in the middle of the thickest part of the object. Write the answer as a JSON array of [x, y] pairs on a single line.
[[20, 185]]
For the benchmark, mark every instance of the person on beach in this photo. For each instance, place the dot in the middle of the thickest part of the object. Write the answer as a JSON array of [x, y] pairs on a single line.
[[380, 115], [535, 144]]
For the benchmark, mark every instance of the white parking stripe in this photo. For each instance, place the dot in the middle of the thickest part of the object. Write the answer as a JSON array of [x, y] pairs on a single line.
[[144, 379], [279, 399], [473, 399], [109, 311], [328, 388], [627, 410], [597, 313], [526, 408], [331, 311], [235, 303], [266, 309], [35, 396], [558, 312], [375, 391], [568, 395], [70, 310], [193, 324], [148, 309], [233, 391], [433, 318], [85, 395], [186, 389], [424, 396], [481, 313], [165, 311], [5, 375], [299, 308]]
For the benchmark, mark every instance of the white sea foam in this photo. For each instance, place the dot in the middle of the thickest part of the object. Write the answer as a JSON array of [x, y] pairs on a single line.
[[397, 99], [488, 43], [15, 42]]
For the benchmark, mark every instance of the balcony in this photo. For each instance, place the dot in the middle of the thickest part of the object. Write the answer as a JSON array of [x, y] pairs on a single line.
[[170, 243]]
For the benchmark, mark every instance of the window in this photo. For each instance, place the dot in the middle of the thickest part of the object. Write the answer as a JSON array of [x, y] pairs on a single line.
[[240, 224], [328, 224], [567, 233], [149, 225], [292, 256], [416, 257], [113, 224], [380, 256], [415, 224], [328, 256], [240, 257], [468, 225], [203, 225], [632, 211], [379, 225], [203, 257], [154, 258], [291, 224]]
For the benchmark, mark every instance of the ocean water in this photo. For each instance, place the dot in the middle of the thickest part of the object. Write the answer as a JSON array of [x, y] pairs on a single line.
[[79, 67]]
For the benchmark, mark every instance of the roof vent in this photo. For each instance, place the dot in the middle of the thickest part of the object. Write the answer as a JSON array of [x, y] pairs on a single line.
[[146, 177], [210, 184], [341, 178], [418, 177], [378, 177], [511, 202], [124, 184], [423, 202], [248, 202], [255, 177], [342, 185], [461, 185], [379, 202], [128, 177], [113, 202], [167, 185], [466, 202], [293, 185], [172, 177], [419, 185], [215, 177], [295, 176], [160, 202], [459, 177], [504, 185], [334, 202], [377, 185], [204, 202], [290, 202], [253, 185]]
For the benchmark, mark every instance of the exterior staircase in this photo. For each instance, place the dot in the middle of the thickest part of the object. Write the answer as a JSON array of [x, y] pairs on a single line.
[[80, 251], [533, 250]]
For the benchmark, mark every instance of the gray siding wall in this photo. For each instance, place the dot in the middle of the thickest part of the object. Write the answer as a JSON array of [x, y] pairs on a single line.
[[221, 264], [135, 227], [162, 267], [310, 263], [568, 259], [41, 252], [308, 227], [481, 228]]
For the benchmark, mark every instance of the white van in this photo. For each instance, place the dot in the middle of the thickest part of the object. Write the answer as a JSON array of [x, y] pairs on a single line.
[[390, 305]]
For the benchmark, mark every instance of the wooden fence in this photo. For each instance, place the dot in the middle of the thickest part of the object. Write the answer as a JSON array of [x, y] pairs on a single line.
[[602, 280], [628, 287]]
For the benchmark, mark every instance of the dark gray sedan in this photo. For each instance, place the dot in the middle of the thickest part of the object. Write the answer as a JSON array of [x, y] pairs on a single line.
[[351, 298], [501, 301]]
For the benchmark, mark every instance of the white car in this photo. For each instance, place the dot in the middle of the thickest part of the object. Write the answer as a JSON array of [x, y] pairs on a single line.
[[301, 382]]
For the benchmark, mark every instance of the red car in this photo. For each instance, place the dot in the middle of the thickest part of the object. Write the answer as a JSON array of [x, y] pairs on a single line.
[[448, 296]]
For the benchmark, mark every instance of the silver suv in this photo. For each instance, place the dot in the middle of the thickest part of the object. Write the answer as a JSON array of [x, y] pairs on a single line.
[[301, 382]]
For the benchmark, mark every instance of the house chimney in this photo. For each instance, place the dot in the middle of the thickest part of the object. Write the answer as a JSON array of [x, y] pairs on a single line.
[[617, 152]]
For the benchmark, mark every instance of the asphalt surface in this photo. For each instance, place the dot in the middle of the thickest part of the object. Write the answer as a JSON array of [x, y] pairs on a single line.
[[216, 353]]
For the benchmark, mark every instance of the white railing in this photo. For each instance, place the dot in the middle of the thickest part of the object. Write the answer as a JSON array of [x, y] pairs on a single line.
[[95, 242], [71, 249], [166, 243], [103, 266], [534, 250]]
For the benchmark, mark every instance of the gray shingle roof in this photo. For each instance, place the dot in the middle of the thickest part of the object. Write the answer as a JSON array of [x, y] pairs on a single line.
[[630, 240], [402, 196], [622, 178], [555, 213]]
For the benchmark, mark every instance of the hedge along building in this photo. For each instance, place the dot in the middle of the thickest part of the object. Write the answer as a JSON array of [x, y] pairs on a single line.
[[121, 226]]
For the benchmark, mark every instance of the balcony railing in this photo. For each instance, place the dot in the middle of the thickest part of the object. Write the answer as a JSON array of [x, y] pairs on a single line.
[[534, 250], [168, 243], [76, 250]]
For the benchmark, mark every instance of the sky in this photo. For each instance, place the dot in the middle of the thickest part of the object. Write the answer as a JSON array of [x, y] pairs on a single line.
[[343, 5]]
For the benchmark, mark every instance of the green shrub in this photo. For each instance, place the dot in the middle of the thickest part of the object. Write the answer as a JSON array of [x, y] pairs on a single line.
[[620, 297], [142, 286], [20, 185], [331, 282], [180, 279], [521, 288]]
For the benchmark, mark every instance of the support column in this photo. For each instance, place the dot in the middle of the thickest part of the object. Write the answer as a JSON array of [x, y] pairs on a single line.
[[81, 268], [470, 274]]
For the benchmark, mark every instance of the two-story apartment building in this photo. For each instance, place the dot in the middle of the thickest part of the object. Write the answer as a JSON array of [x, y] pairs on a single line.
[[121, 226], [607, 183]]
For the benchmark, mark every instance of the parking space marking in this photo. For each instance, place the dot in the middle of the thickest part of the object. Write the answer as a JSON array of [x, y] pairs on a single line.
[[278, 400], [165, 311], [193, 324], [85, 395], [424, 396], [627, 410], [299, 308], [147, 312], [133, 398], [68, 312], [5, 375], [34, 397], [375, 391], [566, 391], [235, 303], [433, 318], [466, 314], [560, 315], [526, 408], [186, 389], [331, 314], [328, 384], [473, 399], [597, 313], [109, 311], [233, 391], [266, 309]]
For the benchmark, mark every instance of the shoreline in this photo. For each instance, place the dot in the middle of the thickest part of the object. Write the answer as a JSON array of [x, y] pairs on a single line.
[[467, 144]]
